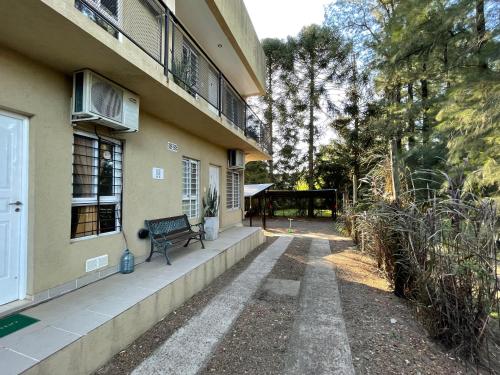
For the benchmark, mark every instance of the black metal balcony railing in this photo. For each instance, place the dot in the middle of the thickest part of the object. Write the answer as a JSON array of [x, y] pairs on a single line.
[[152, 27]]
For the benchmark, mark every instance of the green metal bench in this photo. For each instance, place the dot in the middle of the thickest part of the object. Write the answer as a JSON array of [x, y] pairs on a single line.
[[168, 232]]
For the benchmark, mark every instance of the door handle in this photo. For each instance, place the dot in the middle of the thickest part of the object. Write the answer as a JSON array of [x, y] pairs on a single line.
[[17, 203]]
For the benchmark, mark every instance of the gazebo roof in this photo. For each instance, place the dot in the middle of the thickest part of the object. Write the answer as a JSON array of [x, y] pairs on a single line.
[[254, 189]]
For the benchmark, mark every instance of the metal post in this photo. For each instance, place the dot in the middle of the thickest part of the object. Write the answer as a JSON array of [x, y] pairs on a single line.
[[336, 206], [219, 99], [245, 119], [173, 46], [250, 209], [167, 11], [264, 213]]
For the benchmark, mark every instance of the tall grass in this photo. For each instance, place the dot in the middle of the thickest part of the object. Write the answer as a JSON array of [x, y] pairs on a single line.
[[438, 248]]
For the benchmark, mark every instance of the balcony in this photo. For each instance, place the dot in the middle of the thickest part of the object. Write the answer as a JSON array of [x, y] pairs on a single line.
[[151, 26]]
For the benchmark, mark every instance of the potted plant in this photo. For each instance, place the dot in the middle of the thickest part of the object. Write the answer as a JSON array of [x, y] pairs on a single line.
[[211, 215]]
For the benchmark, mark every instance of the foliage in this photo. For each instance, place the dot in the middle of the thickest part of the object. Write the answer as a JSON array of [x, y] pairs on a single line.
[[183, 75], [211, 203], [279, 62], [471, 121], [441, 253], [332, 168], [434, 67], [256, 172], [319, 62]]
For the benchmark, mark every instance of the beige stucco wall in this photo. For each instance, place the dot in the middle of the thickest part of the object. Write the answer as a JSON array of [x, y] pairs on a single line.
[[30, 88], [234, 19]]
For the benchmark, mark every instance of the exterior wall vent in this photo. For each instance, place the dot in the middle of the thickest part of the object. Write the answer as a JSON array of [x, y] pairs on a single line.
[[93, 264], [102, 261]]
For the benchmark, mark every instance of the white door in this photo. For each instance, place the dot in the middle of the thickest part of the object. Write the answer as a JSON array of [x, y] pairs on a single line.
[[12, 171], [214, 178]]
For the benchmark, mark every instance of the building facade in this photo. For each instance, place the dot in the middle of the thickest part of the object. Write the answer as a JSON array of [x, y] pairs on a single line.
[[76, 189]]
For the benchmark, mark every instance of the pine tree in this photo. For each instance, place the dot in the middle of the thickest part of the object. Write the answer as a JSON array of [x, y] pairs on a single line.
[[279, 61], [319, 58]]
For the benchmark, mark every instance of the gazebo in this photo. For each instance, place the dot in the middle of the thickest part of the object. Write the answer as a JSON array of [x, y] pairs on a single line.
[[261, 200], [252, 192]]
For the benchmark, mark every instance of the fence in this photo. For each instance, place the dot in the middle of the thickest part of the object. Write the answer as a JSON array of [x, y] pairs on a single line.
[[293, 203], [152, 27]]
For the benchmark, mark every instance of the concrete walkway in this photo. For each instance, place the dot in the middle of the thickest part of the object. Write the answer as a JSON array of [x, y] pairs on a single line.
[[319, 343], [188, 349]]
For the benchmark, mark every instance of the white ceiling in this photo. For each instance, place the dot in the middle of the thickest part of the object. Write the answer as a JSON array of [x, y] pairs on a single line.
[[198, 19]]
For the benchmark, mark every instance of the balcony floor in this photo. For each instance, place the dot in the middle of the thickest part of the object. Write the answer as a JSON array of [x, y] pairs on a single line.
[[82, 329]]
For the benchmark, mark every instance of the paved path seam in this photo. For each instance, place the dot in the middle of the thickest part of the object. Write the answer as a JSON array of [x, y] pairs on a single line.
[[319, 343], [190, 347]]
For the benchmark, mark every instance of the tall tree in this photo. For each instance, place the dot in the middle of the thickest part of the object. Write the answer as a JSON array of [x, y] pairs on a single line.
[[279, 62], [319, 60], [436, 72], [256, 172], [291, 119], [348, 124]]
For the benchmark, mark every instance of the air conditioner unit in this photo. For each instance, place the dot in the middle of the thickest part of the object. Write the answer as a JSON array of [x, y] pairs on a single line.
[[236, 159], [97, 99]]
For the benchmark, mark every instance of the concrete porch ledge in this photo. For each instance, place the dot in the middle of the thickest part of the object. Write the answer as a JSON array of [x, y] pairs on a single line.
[[80, 331]]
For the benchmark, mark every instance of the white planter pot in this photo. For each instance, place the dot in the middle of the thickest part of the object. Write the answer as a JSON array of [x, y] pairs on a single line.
[[211, 227]]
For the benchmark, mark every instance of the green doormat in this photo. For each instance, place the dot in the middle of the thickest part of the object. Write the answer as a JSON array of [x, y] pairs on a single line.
[[14, 323]]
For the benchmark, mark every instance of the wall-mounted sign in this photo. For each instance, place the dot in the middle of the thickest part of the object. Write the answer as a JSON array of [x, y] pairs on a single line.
[[173, 147], [158, 174]]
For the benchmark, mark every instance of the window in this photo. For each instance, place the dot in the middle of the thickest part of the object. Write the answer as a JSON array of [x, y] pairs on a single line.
[[108, 13], [97, 186], [234, 109], [110, 7], [190, 65], [233, 190], [190, 187]]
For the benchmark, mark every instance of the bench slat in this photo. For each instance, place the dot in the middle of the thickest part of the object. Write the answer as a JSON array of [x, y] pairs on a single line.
[[169, 231]]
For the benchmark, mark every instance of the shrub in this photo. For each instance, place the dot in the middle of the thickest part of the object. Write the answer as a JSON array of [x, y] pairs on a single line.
[[441, 253]]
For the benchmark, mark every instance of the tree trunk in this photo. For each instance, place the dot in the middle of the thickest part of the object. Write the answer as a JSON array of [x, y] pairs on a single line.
[[355, 174], [354, 189], [481, 31], [399, 133], [270, 119], [425, 106], [411, 120], [446, 68], [312, 102], [395, 170]]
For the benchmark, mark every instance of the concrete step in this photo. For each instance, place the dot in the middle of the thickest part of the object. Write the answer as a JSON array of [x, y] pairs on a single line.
[[80, 331]]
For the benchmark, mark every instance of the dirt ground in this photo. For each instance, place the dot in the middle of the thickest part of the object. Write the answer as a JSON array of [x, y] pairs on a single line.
[[383, 334], [258, 340]]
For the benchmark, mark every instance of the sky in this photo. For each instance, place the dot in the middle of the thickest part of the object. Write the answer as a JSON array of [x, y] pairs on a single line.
[[280, 18]]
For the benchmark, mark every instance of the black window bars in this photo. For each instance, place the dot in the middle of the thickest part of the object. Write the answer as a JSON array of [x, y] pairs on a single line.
[[151, 26]]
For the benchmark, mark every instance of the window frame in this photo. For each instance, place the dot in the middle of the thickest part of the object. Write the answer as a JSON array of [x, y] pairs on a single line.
[[193, 201], [95, 199], [108, 14], [103, 17], [233, 191], [191, 52]]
